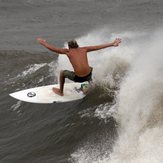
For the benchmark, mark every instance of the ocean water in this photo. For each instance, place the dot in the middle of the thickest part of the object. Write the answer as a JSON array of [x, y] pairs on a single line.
[[121, 120]]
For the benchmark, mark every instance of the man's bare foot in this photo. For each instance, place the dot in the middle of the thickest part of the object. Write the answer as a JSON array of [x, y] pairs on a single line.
[[57, 91]]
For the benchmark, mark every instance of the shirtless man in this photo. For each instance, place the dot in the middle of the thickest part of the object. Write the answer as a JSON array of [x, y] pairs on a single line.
[[78, 58]]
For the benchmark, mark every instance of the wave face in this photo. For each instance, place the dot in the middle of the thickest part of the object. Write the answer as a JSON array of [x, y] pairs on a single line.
[[121, 118]]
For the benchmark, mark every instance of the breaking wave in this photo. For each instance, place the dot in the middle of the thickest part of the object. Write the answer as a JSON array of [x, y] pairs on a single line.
[[138, 107]]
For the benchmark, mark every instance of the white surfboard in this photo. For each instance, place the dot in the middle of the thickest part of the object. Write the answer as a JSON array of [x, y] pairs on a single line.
[[45, 94]]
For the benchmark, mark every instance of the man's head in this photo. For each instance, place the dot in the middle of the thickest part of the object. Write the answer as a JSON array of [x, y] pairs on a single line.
[[73, 44]]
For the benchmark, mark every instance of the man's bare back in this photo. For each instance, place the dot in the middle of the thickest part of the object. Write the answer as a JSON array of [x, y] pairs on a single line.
[[78, 58], [79, 61]]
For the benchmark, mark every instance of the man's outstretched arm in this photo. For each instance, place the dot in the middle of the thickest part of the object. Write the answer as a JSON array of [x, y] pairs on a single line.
[[115, 43], [51, 47]]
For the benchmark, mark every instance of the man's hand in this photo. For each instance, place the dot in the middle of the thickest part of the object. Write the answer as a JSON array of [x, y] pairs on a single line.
[[117, 41], [41, 41]]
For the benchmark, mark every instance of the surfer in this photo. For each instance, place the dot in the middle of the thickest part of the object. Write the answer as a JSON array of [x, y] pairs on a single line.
[[78, 58]]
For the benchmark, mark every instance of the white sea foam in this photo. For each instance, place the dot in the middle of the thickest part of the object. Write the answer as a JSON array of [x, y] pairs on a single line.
[[31, 69], [16, 107], [139, 104]]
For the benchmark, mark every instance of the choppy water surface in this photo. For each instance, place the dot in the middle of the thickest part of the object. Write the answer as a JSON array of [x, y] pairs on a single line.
[[120, 120]]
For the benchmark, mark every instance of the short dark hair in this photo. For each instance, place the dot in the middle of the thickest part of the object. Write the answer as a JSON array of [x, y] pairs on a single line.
[[73, 44]]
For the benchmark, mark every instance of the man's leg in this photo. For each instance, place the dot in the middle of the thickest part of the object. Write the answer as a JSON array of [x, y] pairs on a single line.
[[61, 82]]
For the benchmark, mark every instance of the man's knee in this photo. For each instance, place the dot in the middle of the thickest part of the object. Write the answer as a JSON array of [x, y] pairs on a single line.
[[62, 73]]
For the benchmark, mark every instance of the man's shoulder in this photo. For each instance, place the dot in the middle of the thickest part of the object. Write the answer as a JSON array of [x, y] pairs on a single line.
[[77, 49]]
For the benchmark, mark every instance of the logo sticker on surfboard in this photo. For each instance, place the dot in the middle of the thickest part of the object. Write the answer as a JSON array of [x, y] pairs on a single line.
[[31, 94]]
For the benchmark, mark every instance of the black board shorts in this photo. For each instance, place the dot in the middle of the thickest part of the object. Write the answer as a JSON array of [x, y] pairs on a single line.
[[71, 75]]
